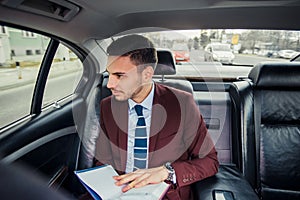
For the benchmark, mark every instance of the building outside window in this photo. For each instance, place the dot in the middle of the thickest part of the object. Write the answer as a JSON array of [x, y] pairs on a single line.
[[3, 30], [29, 34]]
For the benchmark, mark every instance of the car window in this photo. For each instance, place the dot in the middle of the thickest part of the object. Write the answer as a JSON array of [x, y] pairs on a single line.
[[65, 73], [21, 54], [225, 53], [296, 58]]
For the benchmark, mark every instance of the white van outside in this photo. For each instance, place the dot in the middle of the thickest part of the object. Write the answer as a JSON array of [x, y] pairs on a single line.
[[219, 52]]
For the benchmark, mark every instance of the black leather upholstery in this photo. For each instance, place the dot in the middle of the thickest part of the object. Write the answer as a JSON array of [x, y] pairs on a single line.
[[276, 75], [92, 125], [279, 106], [179, 84], [243, 147], [227, 179], [165, 64], [277, 120]]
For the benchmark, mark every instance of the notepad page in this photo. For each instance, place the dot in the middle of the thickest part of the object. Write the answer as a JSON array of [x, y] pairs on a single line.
[[100, 180], [148, 192]]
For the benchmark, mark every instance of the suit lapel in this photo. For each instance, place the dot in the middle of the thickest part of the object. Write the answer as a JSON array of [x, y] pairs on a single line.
[[158, 119], [120, 115]]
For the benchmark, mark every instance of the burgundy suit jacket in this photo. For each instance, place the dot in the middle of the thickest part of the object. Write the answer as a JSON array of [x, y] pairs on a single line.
[[177, 134]]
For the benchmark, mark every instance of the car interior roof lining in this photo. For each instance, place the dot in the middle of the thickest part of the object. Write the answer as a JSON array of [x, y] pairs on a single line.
[[266, 17]]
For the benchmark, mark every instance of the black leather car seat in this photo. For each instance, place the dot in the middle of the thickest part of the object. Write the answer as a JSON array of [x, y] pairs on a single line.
[[276, 88], [166, 66]]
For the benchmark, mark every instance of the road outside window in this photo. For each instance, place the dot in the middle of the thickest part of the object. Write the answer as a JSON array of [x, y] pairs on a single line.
[[19, 70], [65, 73]]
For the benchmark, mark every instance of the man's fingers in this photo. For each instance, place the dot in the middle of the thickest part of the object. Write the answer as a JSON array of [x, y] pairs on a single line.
[[138, 182], [118, 177], [142, 180], [127, 187], [121, 176], [126, 178], [129, 174], [138, 178]]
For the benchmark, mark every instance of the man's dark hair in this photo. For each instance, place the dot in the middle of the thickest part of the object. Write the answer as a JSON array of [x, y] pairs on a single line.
[[139, 48]]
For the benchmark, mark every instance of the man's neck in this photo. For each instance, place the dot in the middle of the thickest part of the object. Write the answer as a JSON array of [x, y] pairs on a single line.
[[145, 90]]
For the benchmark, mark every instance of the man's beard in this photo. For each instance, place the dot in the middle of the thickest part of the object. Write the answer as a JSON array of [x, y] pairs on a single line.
[[134, 93]]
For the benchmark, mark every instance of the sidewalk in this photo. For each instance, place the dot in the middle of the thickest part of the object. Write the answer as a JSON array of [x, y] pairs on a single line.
[[15, 77]]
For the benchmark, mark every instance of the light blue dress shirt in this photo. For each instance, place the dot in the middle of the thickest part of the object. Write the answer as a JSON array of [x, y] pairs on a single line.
[[132, 120]]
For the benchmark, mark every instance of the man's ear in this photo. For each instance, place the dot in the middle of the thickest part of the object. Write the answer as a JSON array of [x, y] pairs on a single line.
[[148, 73]]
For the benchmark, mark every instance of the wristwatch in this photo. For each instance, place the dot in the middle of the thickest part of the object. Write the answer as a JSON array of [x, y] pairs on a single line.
[[171, 171]]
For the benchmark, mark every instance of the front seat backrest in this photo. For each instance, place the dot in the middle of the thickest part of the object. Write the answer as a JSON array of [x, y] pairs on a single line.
[[166, 66], [276, 88]]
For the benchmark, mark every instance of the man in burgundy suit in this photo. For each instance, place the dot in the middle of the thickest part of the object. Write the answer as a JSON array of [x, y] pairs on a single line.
[[179, 149]]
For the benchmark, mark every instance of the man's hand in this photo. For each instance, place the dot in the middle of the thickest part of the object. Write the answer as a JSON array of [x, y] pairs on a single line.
[[142, 177]]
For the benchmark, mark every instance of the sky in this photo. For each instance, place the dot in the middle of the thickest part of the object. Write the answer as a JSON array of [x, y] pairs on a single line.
[[186, 34]]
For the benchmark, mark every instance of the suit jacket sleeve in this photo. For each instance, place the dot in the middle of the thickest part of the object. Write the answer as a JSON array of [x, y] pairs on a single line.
[[200, 160]]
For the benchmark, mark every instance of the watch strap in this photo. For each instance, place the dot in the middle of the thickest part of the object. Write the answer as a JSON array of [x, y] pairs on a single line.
[[171, 171]]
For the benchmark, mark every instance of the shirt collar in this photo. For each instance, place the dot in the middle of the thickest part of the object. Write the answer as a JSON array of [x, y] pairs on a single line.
[[147, 103]]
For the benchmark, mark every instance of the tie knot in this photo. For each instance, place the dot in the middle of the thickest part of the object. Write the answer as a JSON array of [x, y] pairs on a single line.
[[139, 110]]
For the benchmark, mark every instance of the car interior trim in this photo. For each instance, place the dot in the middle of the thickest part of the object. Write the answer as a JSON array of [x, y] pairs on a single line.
[[42, 76], [37, 143]]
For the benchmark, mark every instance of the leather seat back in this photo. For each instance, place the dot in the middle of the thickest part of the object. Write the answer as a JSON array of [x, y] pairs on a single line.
[[276, 88], [166, 66]]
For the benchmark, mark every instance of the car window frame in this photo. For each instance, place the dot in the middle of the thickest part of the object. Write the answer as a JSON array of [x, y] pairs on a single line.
[[37, 100], [40, 81], [39, 85]]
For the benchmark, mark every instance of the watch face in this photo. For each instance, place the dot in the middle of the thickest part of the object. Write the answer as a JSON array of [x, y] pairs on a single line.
[[169, 166]]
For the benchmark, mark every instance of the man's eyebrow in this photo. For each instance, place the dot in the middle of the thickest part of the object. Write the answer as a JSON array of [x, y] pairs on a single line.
[[116, 73]]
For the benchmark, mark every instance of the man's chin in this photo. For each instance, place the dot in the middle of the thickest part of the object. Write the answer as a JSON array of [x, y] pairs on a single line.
[[119, 98]]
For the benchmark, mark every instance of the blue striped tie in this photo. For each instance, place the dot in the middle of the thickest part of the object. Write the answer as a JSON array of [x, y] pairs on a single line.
[[140, 142]]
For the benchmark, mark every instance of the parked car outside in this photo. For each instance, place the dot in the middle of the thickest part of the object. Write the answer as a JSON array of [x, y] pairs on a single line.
[[181, 53], [219, 52], [287, 53]]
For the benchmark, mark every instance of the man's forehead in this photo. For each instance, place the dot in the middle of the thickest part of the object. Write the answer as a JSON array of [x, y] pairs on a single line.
[[122, 63], [112, 59]]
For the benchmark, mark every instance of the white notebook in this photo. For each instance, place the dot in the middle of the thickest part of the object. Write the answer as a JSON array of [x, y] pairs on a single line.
[[101, 185]]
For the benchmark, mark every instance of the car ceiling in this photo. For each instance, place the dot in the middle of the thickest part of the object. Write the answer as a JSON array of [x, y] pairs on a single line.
[[102, 19]]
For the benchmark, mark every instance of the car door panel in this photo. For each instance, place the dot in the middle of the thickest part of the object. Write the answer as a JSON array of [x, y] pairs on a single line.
[[48, 143]]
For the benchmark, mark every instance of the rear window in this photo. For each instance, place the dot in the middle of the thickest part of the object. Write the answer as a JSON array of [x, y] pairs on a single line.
[[242, 49]]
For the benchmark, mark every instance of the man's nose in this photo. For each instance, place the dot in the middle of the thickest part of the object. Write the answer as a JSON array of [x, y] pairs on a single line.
[[111, 82]]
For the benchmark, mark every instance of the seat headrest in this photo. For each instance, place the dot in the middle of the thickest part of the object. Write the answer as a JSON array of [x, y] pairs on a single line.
[[165, 64], [276, 75]]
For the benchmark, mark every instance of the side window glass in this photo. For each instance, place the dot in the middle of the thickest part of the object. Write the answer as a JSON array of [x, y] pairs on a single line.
[[65, 73], [21, 53]]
